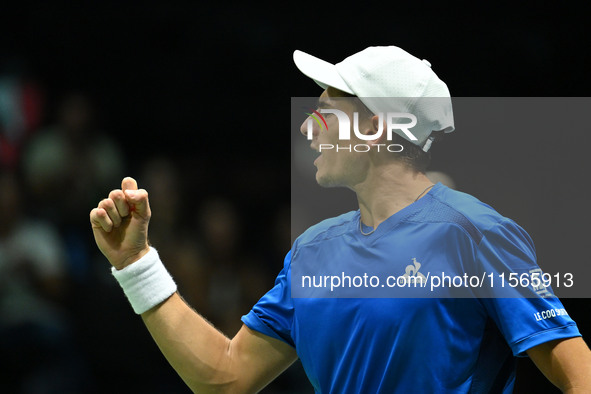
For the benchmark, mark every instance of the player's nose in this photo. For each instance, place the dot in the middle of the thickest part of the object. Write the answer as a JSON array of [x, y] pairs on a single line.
[[309, 128]]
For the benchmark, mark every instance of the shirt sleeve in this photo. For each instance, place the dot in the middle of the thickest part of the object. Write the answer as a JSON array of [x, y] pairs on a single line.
[[272, 315], [526, 315]]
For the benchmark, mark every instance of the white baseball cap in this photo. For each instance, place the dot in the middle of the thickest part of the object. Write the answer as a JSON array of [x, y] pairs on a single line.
[[388, 79]]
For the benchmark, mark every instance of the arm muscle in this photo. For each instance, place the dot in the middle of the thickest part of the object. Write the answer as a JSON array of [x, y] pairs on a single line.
[[206, 359], [566, 363]]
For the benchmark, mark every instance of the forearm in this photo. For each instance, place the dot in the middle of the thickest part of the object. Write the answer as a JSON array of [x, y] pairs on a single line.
[[198, 352]]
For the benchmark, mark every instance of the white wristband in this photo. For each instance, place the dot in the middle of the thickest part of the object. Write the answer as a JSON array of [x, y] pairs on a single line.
[[146, 282]]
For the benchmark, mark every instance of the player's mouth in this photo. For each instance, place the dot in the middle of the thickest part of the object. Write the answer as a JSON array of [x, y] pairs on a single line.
[[317, 160], [315, 148]]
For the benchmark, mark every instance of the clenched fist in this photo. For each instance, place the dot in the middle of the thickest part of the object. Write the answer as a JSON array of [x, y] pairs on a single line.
[[120, 224]]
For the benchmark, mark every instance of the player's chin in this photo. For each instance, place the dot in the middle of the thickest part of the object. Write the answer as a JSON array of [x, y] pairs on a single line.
[[326, 180]]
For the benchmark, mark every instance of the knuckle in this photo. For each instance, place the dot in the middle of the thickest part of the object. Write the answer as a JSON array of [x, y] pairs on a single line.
[[106, 203], [115, 194]]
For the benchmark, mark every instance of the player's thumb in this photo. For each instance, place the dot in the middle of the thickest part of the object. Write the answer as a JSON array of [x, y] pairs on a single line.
[[137, 199], [128, 183]]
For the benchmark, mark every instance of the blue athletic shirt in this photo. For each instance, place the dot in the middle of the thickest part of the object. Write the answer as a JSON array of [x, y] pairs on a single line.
[[423, 344]]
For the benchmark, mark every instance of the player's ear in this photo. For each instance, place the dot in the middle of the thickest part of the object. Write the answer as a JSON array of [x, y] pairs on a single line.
[[376, 126]]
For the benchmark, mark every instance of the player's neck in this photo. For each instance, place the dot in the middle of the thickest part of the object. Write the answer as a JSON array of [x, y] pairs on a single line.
[[388, 189]]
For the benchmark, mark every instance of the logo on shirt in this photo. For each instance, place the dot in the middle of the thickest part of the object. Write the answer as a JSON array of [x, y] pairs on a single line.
[[412, 272], [540, 289]]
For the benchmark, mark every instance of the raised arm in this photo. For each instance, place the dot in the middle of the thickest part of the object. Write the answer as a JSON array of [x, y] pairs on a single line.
[[205, 358]]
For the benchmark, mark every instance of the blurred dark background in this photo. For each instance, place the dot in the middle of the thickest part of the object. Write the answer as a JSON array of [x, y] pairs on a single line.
[[192, 99]]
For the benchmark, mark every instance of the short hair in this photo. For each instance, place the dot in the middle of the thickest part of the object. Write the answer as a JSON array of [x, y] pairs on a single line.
[[412, 156]]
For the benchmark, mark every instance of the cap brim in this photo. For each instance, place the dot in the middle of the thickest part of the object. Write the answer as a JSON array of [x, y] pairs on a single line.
[[322, 72]]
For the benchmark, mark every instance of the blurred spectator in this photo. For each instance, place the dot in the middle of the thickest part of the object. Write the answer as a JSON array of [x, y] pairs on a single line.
[[21, 110], [72, 154], [160, 176], [176, 241], [68, 167], [36, 337], [236, 277]]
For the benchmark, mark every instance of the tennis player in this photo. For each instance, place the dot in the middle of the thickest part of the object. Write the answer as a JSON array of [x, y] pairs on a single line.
[[411, 340]]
